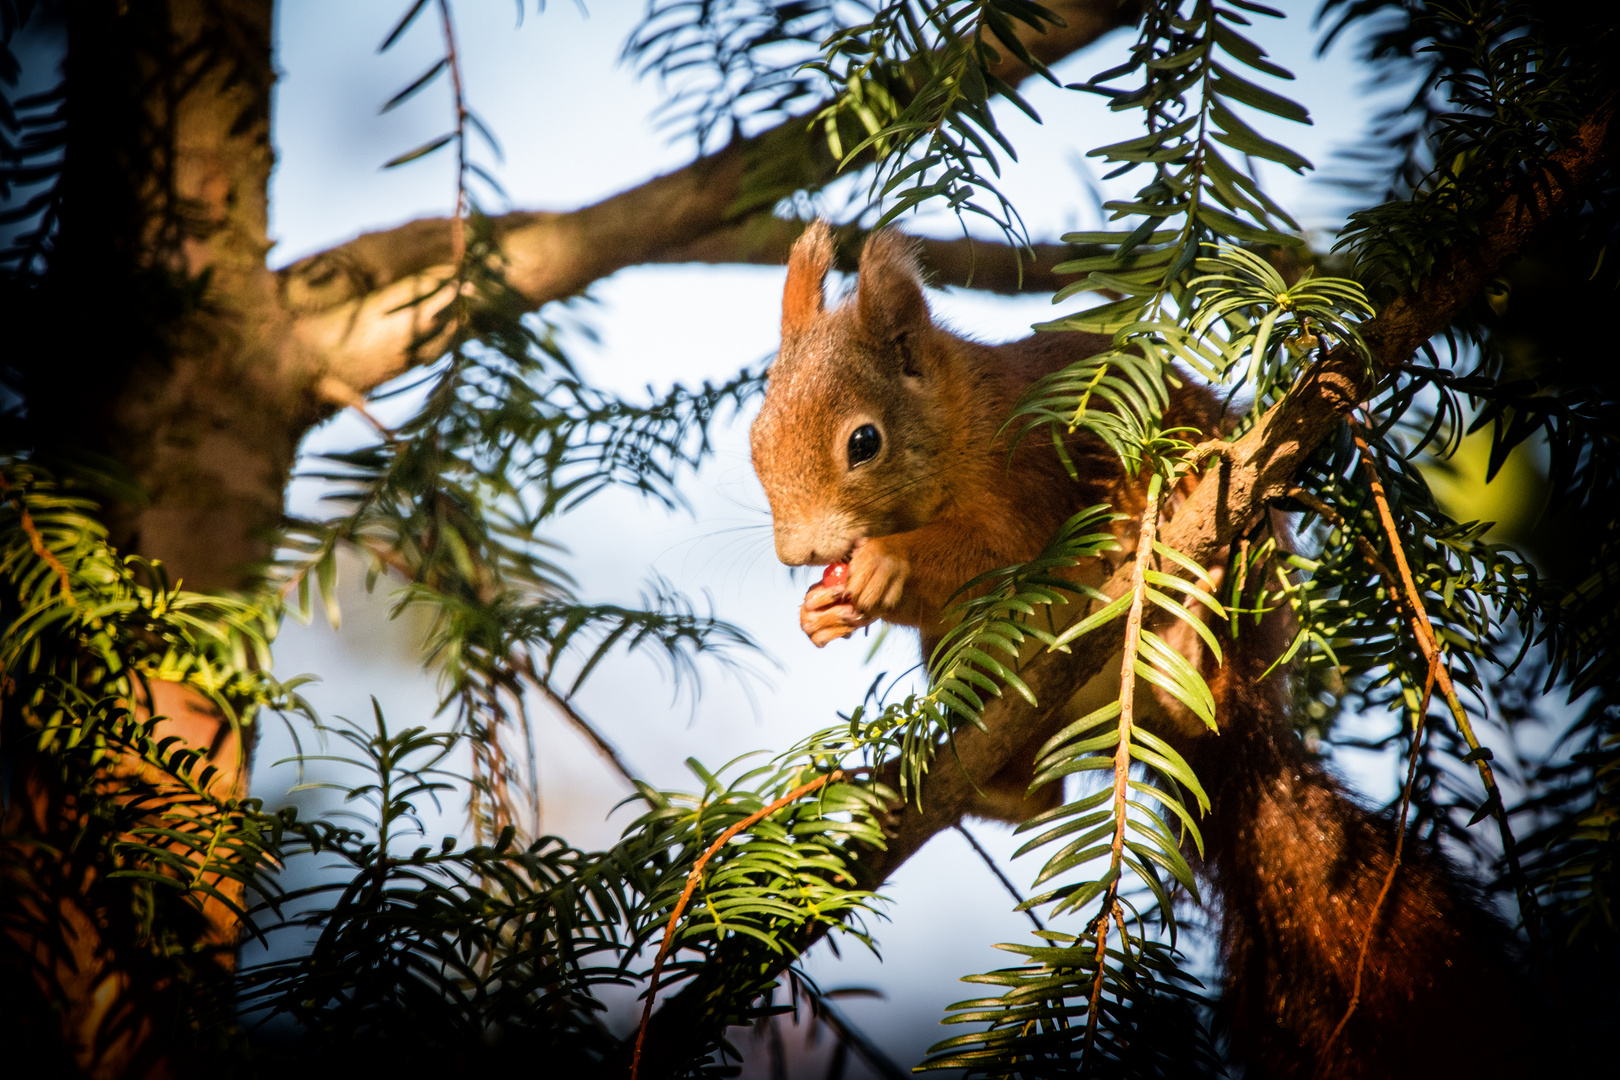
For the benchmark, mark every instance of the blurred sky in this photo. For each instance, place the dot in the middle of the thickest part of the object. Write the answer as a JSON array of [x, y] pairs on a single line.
[[575, 125]]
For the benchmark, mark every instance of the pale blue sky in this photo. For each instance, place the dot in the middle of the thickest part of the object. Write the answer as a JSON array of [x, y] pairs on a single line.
[[575, 127]]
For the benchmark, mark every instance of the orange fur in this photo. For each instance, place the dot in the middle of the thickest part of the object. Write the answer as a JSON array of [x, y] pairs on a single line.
[[802, 299]]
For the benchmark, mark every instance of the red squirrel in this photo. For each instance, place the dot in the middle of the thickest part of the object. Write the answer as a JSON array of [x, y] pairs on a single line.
[[880, 445]]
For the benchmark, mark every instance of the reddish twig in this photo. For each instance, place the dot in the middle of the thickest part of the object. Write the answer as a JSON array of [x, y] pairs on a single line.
[[1264, 465], [1428, 641], [35, 540], [692, 880], [1326, 511], [1122, 752]]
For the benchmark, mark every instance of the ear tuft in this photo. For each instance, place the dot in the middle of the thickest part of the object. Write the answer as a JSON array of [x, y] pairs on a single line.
[[890, 296], [802, 298]]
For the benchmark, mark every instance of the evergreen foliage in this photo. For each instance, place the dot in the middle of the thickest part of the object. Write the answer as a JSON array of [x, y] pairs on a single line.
[[500, 950]]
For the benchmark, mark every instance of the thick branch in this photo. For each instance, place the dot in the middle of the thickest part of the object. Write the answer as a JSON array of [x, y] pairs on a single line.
[[350, 302], [977, 264], [1260, 467], [1263, 465]]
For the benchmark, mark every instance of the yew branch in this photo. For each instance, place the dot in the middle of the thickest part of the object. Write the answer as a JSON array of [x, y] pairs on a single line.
[[1122, 752], [692, 879], [1429, 642], [35, 540]]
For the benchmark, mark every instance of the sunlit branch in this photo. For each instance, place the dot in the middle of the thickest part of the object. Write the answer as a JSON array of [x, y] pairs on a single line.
[[693, 877], [358, 308]]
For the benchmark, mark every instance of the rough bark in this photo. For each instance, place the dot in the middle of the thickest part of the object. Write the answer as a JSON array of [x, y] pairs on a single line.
[[206, 368], [183, 377], [206, 373], [178, 378]]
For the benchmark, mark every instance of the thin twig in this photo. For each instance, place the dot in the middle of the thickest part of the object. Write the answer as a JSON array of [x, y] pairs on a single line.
[[35, 540], [692, 880], [458, 221], [491, 770], [584, 727], [1000, 876], [1122, 752], [1428, 641], [339, 392], [1327, 511], [855, 1037], [1419, 731]]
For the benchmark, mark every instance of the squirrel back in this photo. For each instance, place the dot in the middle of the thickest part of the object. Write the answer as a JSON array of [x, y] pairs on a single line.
[[881, 444]]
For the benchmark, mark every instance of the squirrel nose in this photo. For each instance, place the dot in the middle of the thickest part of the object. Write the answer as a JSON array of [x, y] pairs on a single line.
[[800, 543], [794, 547]]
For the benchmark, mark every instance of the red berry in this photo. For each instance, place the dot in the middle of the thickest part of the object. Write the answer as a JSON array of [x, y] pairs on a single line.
[[835, 575]]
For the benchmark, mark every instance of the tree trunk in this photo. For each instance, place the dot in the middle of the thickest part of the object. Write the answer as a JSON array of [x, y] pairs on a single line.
[[166, 182], [175, 372]]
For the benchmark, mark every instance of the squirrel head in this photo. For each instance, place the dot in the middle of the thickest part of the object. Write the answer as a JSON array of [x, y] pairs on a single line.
[[851, 442]]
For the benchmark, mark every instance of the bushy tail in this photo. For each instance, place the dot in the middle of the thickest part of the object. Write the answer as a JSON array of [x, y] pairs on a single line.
[[1297, 866]]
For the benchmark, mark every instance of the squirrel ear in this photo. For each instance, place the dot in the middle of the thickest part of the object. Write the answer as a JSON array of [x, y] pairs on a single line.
[[802, 299], [889, 296]]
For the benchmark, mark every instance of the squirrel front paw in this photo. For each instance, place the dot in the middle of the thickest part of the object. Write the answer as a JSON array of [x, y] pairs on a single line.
[[877, 578], [850, 596], [827, 613]]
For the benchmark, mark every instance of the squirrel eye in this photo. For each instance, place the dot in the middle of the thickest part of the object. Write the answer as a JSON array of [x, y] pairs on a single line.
[[863, 444]]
